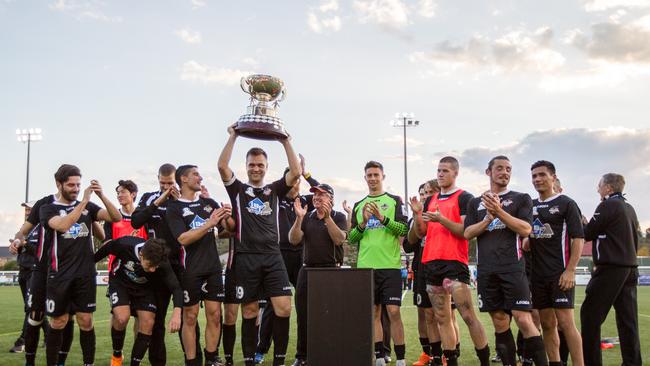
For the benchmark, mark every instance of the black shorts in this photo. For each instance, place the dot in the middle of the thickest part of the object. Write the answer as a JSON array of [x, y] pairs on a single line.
[[547, 294], [36, 290], [388, 287], [230, 287], [138, 299], [64, 295], [197, 287], [259, 276], [420, 296], [436, 271], [503, 291]]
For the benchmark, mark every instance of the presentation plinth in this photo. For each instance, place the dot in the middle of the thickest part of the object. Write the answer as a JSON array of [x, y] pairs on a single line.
[[340, 317]]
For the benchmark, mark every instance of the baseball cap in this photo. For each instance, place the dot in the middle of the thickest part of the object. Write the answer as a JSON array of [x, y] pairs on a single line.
[[324, 188], [29, 204]]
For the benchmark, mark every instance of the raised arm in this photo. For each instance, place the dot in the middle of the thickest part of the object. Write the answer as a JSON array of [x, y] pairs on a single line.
[[193, 235], [294, 165], [104, 250], [63, 223], [333, 230], [110, 212], [295, 233], [224, 158], [520, 226]]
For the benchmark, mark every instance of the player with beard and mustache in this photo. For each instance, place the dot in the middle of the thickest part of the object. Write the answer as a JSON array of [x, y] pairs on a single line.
[[499, 219], [71, 279]]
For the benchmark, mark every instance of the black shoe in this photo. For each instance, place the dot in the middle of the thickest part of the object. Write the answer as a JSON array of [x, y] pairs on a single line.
[[299, 362], [19, 346]]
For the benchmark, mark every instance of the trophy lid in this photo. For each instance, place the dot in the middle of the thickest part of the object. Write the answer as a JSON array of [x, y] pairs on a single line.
[[262, 87]]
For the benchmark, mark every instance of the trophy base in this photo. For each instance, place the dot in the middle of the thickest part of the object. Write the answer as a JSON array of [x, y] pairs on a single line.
[[261, 127]]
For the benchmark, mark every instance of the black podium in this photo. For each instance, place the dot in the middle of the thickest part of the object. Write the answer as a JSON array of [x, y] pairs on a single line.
[[340, 317]]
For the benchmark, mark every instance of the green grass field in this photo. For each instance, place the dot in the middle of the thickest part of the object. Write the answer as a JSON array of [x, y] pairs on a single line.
[[11, 318]]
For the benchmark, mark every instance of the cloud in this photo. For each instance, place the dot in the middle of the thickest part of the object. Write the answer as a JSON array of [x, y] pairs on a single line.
[[10, 222], [516, 51], [388, 14], [198, 3], [581, 156], [602, 5], [410, 157], [189, 36], [84, 9], [324, 18], [427, 8], [399, 139], [614, 41], [194, 71]]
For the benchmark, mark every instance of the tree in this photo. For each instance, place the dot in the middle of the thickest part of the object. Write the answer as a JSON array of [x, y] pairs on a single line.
[[11, 266]]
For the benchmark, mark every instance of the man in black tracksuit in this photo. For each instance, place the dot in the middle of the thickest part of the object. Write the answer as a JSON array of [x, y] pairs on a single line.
[[614, 232]]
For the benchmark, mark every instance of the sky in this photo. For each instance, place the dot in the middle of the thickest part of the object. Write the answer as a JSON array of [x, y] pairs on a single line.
[[121, 87]]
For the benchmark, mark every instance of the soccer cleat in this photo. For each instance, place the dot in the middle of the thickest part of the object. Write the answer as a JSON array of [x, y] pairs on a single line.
[[496, 359], [387, 359], [423, 360], [116, 361], [380, 362], [19, 348], [400, 363], [259, 358], [299, 362]]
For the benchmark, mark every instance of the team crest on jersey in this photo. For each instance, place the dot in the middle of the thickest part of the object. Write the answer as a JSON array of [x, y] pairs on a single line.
[[62, 213], [197, 222], [384, 206], [207, 209], [496, 224], [541, 231], [258, 207], [535, 211], [554, 210], [249, 191], [267, 191], [84, 212], [77, 231], [187, 212], [130, 265], [506, 203], [374, 223]]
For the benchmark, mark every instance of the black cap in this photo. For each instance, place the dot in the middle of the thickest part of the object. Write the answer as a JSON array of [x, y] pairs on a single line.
[[325, 188]]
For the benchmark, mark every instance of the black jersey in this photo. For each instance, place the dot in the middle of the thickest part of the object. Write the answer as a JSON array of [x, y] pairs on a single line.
[[27, 253], [72, 252], [128, 268], [42, 250], [200, 257], [153, 218], [556, 221], [256, 212], [614, 232], [320, 250], [499, 248], [287, 217], [415, 248]]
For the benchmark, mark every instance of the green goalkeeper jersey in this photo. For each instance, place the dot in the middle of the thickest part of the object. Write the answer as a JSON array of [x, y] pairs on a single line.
[[379, 244]]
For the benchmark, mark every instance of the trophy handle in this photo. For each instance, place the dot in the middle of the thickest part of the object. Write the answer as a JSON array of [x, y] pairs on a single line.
[[245, 85], [283, 94]]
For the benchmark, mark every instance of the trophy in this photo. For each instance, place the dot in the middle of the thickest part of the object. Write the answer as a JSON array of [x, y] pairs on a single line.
[[261, 122]]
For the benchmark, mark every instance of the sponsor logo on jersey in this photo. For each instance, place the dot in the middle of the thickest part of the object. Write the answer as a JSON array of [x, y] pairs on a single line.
[[554, 210], [77, 231], [187, 212], [197, 222], [541, 231], [374, 223], [257, 207], [496, 224]]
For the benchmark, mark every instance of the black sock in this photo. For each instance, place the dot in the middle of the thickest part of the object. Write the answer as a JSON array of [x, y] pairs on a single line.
[[558, 363], [400, 351], [192, 362], [87, 341], [436, 353], [53, 346], [450, 356], [426, 348], [506, 348], [229, 336], [140, 346], [564, 348], [248, 340], [210, 356], [197, 345], [117, 338], [380, 351], [32, 334], [520, 344], [458, 350], [534, 349], [484, 355], [280, 339], [66, 343]]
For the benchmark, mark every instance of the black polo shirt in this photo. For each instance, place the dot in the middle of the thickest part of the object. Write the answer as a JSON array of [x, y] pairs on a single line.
[[319, 249]]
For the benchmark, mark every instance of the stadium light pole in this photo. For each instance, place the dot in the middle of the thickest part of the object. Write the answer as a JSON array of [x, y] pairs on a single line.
[[404, 120], [27, 136]]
